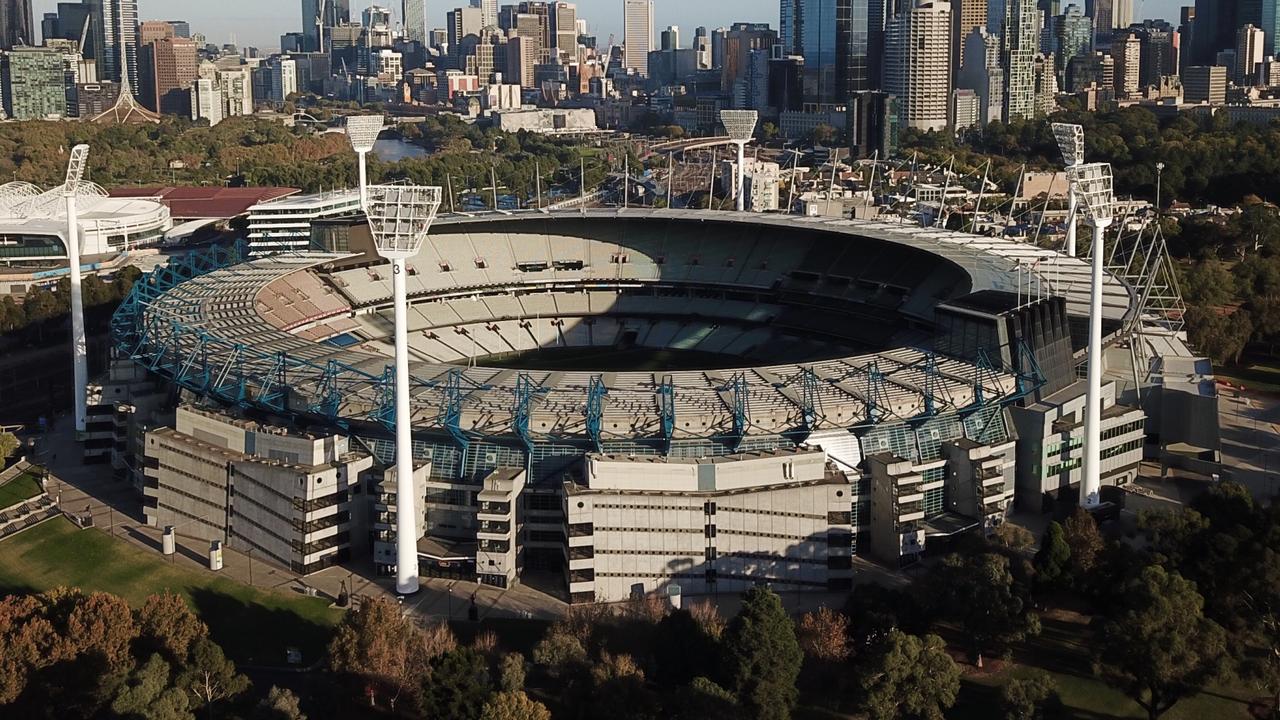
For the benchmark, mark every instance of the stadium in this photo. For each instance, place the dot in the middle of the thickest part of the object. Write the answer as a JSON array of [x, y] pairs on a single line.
[[643, 398], [33, 223]]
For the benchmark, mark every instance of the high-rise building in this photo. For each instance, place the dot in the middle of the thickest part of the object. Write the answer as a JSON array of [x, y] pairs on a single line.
[[1159, 51], [839, 41], [1127, 52], [34, 83], [564, 29], [461, 22], [1121, 13], [284, 79], [1214, 29], [917, 64], [967, 16], [169, 67], [181, 28], [152, 30], [236, 86], [1103, 14], [740, 42], [336, 13], [1021, 41], [415, 20], [488, 12], [1095, 70], [120, 40], [206, 101], [1074, 36], [637, 22], [983, 74], [1249, 41], [1269, 21], [82, 23], [1205, 84], [17, 25], [670, 38]]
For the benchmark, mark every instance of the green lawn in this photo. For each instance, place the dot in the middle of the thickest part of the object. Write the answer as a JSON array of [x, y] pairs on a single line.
[[1259, 377], [253, 626], [1061, 650], [22, 487]]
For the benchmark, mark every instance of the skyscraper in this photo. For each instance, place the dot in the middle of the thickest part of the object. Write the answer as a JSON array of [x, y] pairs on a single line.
[[488, 12], [1269, 21], [1021, 41], [917, 64], [837, 40], [415, 20], [1249, 40], [1121, 13], [120, 40], [17, 26], [966, 15], [1215, 29], [1103, 14], [336, 12], [1075, 36], [564, 28], [637, 23], [169, 67]]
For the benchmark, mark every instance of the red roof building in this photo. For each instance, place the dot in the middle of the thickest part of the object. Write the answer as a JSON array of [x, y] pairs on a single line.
[[206, 203]]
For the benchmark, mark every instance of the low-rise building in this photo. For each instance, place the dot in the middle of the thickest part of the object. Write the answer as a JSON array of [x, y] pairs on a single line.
[[638, 525], [286, 496], [284, 225]]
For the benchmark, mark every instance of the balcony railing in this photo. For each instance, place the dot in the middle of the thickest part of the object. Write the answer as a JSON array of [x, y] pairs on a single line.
[[494, 546], [495, 508], [581, 530], [497, 527]]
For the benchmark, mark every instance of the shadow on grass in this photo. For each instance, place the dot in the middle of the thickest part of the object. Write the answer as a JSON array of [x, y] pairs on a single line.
[[253, 634]]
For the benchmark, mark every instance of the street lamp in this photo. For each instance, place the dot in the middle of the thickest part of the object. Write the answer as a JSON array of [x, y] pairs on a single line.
[[363, 131], [741, 125], [399, 218], [1095, 185], [1159, 176], [1071, 142], [80, 370]]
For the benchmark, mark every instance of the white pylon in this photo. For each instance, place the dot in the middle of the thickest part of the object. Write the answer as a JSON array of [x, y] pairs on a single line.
[[363, 131], [79, 350], [399, 218], [741, 125], [1095, 186], [1071, 142]]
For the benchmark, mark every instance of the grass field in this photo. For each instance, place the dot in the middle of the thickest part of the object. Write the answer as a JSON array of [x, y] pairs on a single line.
[[22, 487], [253, 626], [1260, 377]]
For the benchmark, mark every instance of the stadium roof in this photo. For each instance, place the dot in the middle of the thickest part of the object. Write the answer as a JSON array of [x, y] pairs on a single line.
[[206, 203]]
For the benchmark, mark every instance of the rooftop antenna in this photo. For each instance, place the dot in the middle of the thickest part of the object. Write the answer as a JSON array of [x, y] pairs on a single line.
[[1071, 142], [80, 370], [741, 125], [399, 218], [363, 131], [1095, 186]]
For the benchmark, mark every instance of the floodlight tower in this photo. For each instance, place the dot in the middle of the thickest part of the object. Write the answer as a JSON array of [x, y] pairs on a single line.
[[1095, 185], [399, 218], [1071, 141], [741, 125], [363, 131], [80, 370]]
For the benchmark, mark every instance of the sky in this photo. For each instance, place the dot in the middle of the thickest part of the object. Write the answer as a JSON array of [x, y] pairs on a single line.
[[261, 22]]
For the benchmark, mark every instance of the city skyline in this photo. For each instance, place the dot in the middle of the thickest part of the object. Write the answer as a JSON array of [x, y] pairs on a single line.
[[227, 19]]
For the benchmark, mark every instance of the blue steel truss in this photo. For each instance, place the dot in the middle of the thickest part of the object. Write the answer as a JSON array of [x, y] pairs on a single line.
[[983, 372], [144, 330], [1030, 378], [738, 407], [935, 389], [525, 393], [877, 394], [667, 408], [595, 411]]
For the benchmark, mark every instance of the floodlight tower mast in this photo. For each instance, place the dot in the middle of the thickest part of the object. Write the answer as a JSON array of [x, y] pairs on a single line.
[[80, 370], [400, 217], [1071, 141], [1095, 185], [741, 125], [363, 131]]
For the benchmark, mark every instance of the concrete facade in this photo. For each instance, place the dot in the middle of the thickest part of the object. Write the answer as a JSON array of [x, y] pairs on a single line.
[[643, 524], [285, 495]]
